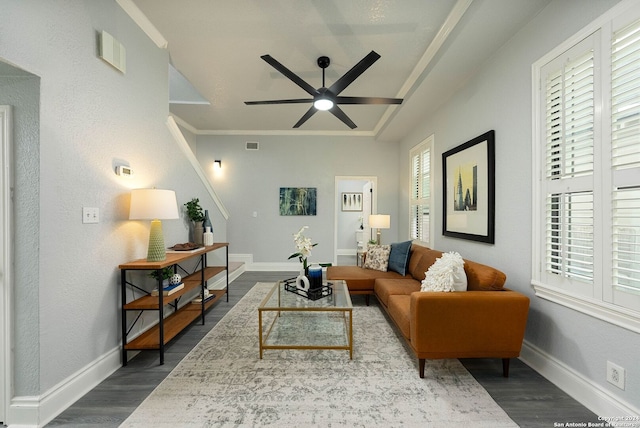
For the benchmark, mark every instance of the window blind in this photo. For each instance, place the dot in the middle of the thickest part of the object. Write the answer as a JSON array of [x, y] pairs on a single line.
[[569, 119], [625, 97], [625, 157], [569, 235], [419, 208]]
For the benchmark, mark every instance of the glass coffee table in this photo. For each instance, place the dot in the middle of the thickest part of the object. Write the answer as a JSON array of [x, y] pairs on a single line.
[[290, 321]]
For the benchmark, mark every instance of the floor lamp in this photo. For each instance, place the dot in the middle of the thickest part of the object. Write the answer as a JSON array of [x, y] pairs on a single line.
[[154, 205], [379, 221]]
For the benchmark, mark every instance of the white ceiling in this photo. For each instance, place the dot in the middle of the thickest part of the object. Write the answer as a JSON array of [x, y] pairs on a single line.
[[427, 47]]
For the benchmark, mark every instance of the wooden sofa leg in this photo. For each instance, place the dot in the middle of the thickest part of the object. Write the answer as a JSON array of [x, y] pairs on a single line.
[[421, 362], [505, 367], [366, 298]]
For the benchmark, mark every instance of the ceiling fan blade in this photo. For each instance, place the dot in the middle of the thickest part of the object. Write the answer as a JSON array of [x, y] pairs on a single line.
[[368, 100], [292, 101], [337, 112], [306, 116], [353, 74], [289, 74]]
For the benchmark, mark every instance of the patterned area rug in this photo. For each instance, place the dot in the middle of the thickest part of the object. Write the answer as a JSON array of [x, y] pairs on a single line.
[[223, 383]]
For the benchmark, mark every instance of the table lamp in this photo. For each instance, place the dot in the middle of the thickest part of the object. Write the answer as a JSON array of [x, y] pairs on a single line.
[[154, 205], [379, 221]]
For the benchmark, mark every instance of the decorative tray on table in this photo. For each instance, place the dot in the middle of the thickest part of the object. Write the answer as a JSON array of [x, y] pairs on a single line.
[[315, 294]]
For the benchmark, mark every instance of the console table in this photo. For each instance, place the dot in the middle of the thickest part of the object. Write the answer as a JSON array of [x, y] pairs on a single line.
[[167, 328]]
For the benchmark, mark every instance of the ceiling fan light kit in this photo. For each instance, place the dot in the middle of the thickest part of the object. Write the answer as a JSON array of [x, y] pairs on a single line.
[[327, 99]]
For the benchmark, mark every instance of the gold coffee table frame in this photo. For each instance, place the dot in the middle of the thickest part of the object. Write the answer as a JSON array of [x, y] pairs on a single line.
[[300, 323]]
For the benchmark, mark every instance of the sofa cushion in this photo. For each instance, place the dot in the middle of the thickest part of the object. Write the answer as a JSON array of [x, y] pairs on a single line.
[[399, 257], [424, 262], [357, 278], [385, 287], [400, 310], [483, 277], [377, 257]]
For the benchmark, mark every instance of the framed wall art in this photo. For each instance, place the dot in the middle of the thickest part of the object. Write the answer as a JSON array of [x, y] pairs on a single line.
[[468, 176], [297, 201], [351, 201]]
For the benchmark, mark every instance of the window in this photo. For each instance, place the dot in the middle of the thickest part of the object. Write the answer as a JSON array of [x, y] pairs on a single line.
[[420, 223], [586, 190]]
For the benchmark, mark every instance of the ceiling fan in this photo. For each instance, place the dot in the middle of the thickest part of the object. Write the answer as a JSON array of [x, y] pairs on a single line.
[[327, 98]]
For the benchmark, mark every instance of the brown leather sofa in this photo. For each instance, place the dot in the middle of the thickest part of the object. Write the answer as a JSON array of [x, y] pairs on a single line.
[[486, 321]]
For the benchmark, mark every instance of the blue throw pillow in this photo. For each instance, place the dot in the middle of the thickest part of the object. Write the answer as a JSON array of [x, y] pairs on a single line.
[[399, 257]]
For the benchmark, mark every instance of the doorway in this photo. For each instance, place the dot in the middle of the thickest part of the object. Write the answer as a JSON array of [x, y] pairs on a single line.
[[355, 199], [6, 185]]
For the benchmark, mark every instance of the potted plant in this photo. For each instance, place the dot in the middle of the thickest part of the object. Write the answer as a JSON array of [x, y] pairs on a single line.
[[196, 215], [165, 274]]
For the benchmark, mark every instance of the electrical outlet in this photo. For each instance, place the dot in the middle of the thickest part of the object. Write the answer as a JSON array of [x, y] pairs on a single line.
[[90, 215], [615, 375]]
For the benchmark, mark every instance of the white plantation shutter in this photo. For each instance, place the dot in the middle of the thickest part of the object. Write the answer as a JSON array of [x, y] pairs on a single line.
[[626, 240], [420, 200], [625, 157], [569, 237], [569, 136], [587, 193]]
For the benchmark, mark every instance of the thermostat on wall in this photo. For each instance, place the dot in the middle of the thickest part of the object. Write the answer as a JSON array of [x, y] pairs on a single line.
[[124, 171]]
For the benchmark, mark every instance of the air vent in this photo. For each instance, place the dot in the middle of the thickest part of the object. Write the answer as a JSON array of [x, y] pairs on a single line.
[[252, 145]]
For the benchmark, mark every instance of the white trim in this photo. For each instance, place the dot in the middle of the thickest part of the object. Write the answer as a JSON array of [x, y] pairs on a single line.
[[284, 132], [182, 142], [616, 315], [6, 272], [454, 17], [37, 411], [336, 209], [143, 22], [591, 395]]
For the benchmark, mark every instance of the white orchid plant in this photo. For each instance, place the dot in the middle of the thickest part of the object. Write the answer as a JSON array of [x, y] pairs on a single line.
[[304, 246]]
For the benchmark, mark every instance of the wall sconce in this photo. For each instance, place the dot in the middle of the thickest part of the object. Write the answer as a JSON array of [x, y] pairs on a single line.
[[154, 205], [379, 221], [217, 164]]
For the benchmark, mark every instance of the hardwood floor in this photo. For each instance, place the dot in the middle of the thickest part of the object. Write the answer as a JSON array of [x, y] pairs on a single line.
[[528, 398]]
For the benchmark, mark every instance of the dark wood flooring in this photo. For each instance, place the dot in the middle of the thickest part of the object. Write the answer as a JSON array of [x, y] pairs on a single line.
[[528, 398]]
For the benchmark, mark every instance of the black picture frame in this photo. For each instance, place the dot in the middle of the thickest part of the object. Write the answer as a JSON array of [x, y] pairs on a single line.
[[468, 177]]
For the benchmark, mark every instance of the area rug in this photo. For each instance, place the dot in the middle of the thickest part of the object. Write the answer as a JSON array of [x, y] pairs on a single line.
[[222, 382]]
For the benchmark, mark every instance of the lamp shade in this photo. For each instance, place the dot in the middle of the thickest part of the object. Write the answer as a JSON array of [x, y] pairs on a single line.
[[380, 221], [151, 204], [154, 205]]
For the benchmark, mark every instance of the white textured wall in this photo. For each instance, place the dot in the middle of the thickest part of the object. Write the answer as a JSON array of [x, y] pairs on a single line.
[[92, 117], [250, 182], [499, 97]]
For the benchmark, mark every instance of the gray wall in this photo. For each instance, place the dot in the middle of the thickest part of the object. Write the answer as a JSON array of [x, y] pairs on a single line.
[[250, 182], [91, 117], [499, 98]]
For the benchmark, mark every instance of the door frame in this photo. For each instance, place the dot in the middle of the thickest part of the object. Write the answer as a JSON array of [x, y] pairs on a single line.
[[6, 257], [374, 209]]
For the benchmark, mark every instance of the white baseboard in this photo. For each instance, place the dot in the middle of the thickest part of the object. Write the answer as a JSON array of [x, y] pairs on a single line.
[[588, 393], [37, 411], [247, 259], [347, 252]]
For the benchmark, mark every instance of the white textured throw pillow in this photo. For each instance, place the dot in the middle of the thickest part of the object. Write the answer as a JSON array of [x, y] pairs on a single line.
[[446, 274]]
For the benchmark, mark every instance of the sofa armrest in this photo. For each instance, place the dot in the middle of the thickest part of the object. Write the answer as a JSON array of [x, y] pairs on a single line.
[[468, 324]]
